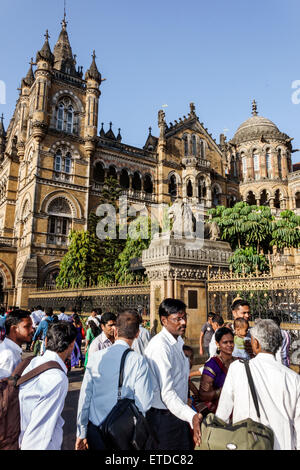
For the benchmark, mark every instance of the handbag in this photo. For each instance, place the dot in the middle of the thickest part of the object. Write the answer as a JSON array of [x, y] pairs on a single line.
[[125, 427], [243, 435]]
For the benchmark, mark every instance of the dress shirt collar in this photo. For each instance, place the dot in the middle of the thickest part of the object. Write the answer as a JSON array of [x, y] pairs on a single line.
[[170, 338], [13, 346], [53, 356], [266, 356], [120, 341], [104, 338]]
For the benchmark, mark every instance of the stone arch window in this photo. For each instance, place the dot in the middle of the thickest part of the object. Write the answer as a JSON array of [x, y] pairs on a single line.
[[112, 172], [173, 186], [124, 179], [268, 163], [279, 163], [244, 165], [216, 196], [194, 145], [202, 149], [256, 164], [251, 199], [232, 200], [264, 200], [68, 163], [277, 199], [148, 184], [65, 116], [50, 279], [136, 181], [62, 164], [58, 161], [98, 173], [297, 198], [189, 189], [59, 223], [201, 189], [185, 145]]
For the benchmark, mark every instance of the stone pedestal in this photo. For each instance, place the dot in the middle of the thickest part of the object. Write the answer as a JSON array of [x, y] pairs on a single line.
[[176, 270]]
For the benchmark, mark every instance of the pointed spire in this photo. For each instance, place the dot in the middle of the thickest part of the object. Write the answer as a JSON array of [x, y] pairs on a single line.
[[93, 71], [45, 53], [64, 60], [192, 109], [110, 134], [150, 130], [2, 130], [254, 108], [102, 133], [119, 137], [29, 79]]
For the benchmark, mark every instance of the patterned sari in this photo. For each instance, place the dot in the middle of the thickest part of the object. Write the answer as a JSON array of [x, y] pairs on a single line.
[[215, 368]]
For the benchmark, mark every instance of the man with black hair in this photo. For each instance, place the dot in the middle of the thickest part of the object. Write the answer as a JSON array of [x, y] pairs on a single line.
[[107, 336], [241, 309], [42, 329], [95, 316], [216, 323], [170, 415], [99, 390], [63, 316], [19, 330], [42, 398], [205, 335], [37, 315]]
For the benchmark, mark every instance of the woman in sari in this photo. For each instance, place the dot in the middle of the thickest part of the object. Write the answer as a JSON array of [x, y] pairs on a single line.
[[92, 332], [215, 369]]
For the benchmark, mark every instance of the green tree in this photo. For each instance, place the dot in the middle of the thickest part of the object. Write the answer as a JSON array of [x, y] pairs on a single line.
[[247, 260], [286, 231]]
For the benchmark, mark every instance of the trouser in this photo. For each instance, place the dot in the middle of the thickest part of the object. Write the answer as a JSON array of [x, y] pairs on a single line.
[[94, 438], [172, 432]]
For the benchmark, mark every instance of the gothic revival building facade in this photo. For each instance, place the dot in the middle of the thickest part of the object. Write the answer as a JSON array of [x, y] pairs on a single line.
[[53, 164]]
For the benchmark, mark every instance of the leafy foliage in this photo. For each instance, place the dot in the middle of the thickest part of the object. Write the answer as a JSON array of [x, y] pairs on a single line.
[[247, 260], [286, 230]]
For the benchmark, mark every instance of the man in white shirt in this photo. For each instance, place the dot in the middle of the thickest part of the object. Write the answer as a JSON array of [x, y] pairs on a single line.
[[37, 315], [42, 398], [107, 337], [277, 388], [19, 331], [63, 316], [170, 415], [95, 316], [216, 323], [99, 390], [141, 342]]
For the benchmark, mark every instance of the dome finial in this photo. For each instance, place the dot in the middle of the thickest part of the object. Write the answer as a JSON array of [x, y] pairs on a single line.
[[254, 108]]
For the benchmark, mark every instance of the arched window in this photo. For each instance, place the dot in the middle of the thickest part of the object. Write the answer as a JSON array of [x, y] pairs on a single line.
[[124, 179], [279, 163], [189, 189], [232, 200], [256, 165], [58, 160], [65, 117], [112, 172], [194, 145], [268, 163], [136, 182], [59, 223], [148, 185], [201, 189], [264, 201], [98, 173], [186, 145], [277, 199], [60, 117], [251, 200], [216, 196], [68, 163], [244, 165], [297, 197], [70, 116], [202, 149], [172, 186]]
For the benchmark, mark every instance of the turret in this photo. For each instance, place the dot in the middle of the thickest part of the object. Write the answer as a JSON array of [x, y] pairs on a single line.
[[93, 82], [2, 138]]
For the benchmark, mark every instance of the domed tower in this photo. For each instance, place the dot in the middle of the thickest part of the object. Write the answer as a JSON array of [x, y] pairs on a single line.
[[262, 155]]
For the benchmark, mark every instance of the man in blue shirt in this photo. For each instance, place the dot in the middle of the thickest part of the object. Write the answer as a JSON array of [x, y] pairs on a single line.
[[99, 388], [42, 329]]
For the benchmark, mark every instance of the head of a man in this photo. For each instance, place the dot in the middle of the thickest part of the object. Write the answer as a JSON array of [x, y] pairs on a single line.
[[108, 322], [217, 321], [172, 314], [96, 311], [265, 337], [39, 307], [19, 327], [49, 312], [210, 317], [241, 309], [62, 309], [60, 338], [127, 325]]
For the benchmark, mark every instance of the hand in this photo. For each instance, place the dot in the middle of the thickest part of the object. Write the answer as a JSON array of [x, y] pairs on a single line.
[[31, 347], [197, 419], [81, 444]]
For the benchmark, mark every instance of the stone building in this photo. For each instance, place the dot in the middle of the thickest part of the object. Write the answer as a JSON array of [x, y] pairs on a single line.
[[54, 162]]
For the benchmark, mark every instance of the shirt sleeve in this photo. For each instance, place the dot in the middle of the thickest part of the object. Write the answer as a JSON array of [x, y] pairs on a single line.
[[143, 393], [204, 327], [38, 331], [162, 368], [7, 363], [226, 400], [84, 402], [44, 417]]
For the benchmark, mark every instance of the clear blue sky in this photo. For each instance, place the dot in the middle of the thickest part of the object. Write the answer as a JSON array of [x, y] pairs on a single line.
[[219, 54]]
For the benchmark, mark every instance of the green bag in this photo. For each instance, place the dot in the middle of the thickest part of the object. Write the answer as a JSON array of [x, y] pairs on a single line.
[[244, 435]]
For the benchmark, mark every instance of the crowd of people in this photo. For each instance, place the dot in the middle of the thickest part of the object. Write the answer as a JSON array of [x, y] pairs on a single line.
[[158, 374]]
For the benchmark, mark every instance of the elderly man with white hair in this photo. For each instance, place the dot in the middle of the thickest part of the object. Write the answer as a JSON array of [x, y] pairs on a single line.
[[277, 388]]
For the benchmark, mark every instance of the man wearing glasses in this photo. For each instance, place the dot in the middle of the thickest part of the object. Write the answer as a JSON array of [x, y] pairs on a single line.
[[170, 415]]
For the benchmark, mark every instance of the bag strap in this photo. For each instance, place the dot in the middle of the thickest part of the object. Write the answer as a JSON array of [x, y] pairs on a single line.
[[121, 373], [251, 384], [38, 370]]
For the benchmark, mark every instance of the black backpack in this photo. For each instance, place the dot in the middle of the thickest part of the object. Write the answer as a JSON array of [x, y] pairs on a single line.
[[125, 427]]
